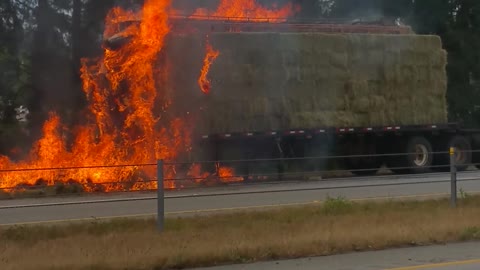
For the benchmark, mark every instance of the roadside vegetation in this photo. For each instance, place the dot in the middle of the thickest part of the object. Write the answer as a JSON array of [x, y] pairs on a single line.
[[335, 226]]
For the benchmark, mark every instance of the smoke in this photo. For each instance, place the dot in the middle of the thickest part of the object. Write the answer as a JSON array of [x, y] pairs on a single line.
[[372, 11], [134, 5], [188, 6], [357, 10]]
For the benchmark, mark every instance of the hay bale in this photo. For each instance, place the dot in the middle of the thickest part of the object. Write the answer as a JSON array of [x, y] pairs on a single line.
[[337, 60], [360, 105], [320, 42], [378, 103], [438, 59], [426, 42], [391, 59], [357, 88], [377, 118], [264, 81]]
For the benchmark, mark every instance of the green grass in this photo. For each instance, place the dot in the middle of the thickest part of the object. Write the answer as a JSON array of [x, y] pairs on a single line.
[[471, 233], [335, 226]]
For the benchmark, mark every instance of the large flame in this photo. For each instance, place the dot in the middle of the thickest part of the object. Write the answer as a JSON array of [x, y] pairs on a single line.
[[128, 122], [122, 93]]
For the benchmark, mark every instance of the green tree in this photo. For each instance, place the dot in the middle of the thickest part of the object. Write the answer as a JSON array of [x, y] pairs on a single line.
[[14, 75], [462, 40]]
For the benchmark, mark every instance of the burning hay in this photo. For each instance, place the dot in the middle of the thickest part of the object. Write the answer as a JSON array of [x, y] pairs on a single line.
[[264, 81]]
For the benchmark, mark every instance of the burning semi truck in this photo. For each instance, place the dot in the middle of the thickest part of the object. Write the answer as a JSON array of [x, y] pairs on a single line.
[[244, 82], [305, 90]]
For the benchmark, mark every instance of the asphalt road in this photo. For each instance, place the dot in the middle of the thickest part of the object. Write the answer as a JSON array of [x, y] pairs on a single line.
[[465, 256], [208, 200]]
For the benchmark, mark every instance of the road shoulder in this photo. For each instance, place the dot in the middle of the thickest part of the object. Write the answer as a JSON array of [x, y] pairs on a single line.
[[394, 259]]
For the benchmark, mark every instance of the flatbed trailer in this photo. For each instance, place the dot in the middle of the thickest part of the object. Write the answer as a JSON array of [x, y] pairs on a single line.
[[361, 150]]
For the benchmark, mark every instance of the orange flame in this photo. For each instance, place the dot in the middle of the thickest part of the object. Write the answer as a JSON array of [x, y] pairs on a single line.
[[227, 175], [248, 9], [210, 56], [123, 102], [129, 121], [224, 175]]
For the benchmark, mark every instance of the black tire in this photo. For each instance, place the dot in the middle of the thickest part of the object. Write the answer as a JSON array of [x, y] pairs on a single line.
[[418, 157], [463, 156]]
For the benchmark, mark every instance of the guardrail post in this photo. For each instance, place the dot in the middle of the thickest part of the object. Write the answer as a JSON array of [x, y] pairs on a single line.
[[160, 197], [453, 172]]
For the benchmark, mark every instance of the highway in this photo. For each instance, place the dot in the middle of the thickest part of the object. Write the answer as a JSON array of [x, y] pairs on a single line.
[[237, 197], [464, 256]]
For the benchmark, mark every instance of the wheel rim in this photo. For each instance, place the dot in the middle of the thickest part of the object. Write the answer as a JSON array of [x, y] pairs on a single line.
[[421, 155]]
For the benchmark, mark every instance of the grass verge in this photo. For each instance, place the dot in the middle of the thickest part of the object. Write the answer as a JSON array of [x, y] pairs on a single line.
[[336, 226]]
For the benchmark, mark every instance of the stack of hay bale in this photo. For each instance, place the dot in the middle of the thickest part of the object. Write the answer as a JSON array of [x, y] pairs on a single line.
[[281, 81]]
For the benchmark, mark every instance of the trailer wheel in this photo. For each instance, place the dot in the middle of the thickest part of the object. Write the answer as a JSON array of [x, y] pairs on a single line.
[[417, 158], [463, 154]]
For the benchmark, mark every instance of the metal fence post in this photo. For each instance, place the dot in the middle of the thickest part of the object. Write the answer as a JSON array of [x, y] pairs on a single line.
[[453, 172], [160, 197]]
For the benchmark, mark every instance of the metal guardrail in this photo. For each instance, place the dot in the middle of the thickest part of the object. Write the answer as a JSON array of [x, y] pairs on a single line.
[[161, 178], [453, 183], [272, 162]]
